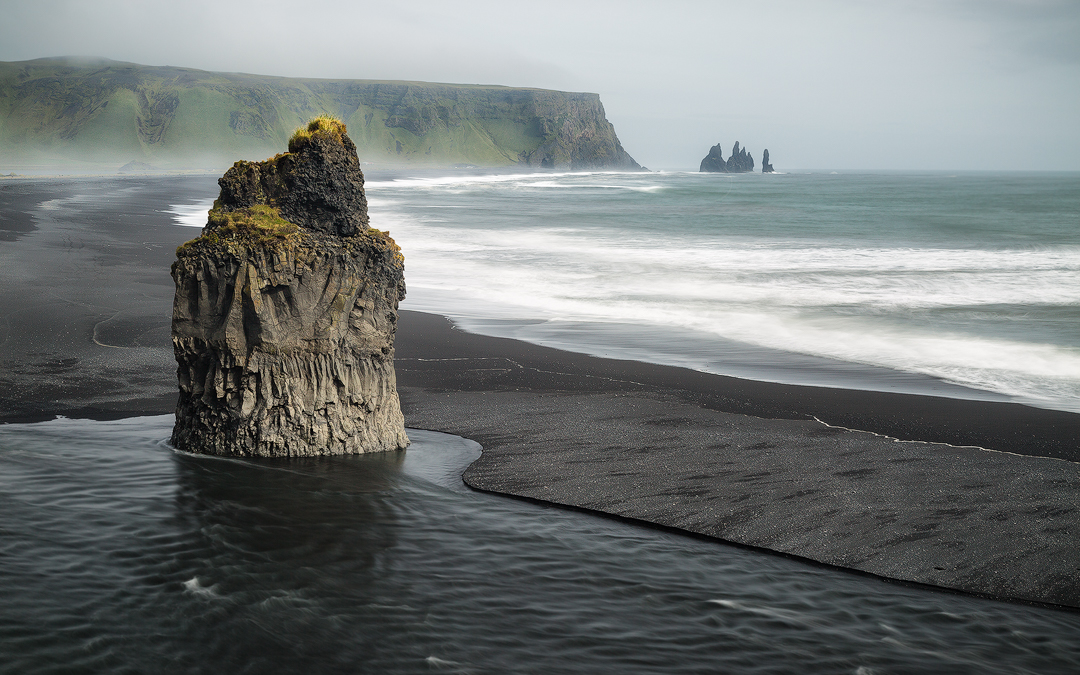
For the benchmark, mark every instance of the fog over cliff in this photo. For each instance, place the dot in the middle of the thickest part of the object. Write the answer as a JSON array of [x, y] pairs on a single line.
[[838, 84]]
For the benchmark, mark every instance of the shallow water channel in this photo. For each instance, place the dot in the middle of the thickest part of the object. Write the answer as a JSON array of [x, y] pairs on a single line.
[[118, 554]]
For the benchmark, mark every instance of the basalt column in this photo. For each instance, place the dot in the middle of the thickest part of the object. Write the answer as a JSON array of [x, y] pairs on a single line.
[[286, 309]]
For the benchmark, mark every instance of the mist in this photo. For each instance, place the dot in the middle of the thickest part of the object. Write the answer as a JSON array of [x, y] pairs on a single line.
[[954, 85]]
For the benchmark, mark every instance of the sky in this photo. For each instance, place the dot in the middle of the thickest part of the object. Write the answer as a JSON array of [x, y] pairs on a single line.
[[830, 84]]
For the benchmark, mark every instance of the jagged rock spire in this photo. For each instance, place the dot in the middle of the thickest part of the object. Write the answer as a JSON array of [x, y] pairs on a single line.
[[739, 162], [317, 185]]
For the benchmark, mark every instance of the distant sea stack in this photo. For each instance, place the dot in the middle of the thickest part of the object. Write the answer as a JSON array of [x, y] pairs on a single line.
[[714, 161], [765, 166], [286, 309], [739, 162]]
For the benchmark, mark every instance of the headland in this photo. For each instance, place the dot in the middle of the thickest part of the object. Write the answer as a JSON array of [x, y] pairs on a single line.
[[99, 112]]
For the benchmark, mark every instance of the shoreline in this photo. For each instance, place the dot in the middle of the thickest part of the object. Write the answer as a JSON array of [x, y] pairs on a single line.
[[86, 303], [740, 462], [649, 443], [428, 345], [427, 342]]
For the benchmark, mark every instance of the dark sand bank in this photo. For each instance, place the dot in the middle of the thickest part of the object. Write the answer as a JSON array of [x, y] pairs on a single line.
[[691, 451], [499, 364], [86, 296], [85, 306]]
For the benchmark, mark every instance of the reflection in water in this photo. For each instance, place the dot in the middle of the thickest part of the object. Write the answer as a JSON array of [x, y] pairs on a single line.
[[310, 511], [118, 554]]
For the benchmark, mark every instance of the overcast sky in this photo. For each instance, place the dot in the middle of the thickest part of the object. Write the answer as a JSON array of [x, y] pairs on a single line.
[[835, 84]]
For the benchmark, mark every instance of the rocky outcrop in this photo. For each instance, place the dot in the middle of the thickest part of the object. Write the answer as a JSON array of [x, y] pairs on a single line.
[[317, 185], [739, 162], [714, 161], [286, 309], [765, 166]]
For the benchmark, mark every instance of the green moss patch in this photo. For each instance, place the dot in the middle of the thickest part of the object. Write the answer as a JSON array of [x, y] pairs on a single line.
[[323, 125], [259, 224]]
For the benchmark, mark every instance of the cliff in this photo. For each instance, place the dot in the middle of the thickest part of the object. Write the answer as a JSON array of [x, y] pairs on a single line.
[[739, 162], [65, 110], [286, 309]]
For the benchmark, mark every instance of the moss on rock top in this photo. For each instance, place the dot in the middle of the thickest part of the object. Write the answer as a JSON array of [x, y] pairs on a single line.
[[318, 184], [327, 126], [256, 225], [309, 197]]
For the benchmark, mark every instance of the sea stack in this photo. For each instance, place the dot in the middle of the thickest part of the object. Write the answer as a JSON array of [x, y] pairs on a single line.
[[714, 161], [739, 162], [286, 309], [765, 166]]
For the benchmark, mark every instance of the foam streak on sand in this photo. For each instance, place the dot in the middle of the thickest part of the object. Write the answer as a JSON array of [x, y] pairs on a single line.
[[973, 281]]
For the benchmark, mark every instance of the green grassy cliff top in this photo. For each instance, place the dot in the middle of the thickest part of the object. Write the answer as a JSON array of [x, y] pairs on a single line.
[[57, 111]]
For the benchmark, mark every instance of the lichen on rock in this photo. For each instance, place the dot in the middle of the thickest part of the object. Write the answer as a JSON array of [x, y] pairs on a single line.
[[286, 309]]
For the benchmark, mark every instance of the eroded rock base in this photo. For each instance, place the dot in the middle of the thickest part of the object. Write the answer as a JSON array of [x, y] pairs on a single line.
[[286, 348]]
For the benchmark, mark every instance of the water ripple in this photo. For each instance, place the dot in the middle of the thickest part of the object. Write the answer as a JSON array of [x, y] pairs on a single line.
[[120, 555]]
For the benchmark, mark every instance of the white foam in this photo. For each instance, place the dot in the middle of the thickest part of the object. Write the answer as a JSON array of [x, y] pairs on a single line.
[[545, 179], [193, 585], [876, 305], [191, 215]]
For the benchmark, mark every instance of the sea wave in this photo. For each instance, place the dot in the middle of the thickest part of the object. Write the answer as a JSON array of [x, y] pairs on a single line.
[[193, 214], [790, 266]]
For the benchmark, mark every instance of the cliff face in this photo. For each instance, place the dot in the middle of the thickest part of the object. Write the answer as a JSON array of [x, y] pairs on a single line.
[[577, 135], [100, 110], [283, 331]]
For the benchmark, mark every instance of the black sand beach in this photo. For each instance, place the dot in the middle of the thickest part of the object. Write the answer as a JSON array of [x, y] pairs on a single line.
[[86, 296], [86, 302], [747, 462]]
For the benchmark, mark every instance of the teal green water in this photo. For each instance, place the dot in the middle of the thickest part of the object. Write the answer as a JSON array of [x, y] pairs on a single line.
[[963, 285]]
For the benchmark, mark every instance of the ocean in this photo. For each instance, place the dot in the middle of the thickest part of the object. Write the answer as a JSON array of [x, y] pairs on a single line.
[[963, 285]]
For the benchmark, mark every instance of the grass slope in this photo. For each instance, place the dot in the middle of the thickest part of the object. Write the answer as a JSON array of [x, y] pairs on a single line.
[[63, 110]]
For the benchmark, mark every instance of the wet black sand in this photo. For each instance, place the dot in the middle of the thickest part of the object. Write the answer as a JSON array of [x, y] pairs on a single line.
[[85, 299]]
